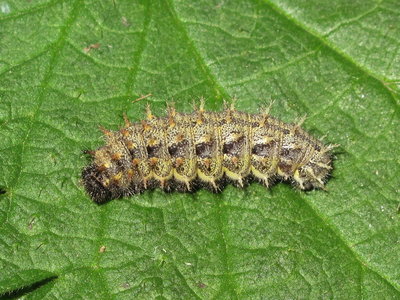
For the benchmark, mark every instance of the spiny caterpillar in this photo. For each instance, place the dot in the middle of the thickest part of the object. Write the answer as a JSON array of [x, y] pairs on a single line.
[[204, 149]]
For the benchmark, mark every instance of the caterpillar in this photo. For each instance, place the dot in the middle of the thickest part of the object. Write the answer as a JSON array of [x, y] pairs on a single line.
[[184, 152]]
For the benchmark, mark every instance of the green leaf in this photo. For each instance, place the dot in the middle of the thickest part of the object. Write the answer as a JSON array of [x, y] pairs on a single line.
[[68, 66]]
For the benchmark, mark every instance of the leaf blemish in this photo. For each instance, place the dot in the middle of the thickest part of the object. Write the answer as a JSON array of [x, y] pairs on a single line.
[[31, 223]]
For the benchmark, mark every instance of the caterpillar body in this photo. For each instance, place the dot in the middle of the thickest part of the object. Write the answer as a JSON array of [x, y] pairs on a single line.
[[184, 152]]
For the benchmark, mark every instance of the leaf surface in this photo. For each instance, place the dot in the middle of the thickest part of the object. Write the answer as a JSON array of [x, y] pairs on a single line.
[[68, 66]]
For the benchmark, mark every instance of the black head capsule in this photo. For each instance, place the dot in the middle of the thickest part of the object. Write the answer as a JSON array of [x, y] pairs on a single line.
[[94, 187]]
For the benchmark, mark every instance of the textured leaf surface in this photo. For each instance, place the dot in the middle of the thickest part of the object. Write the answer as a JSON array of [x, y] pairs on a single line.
[[68, 66]]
